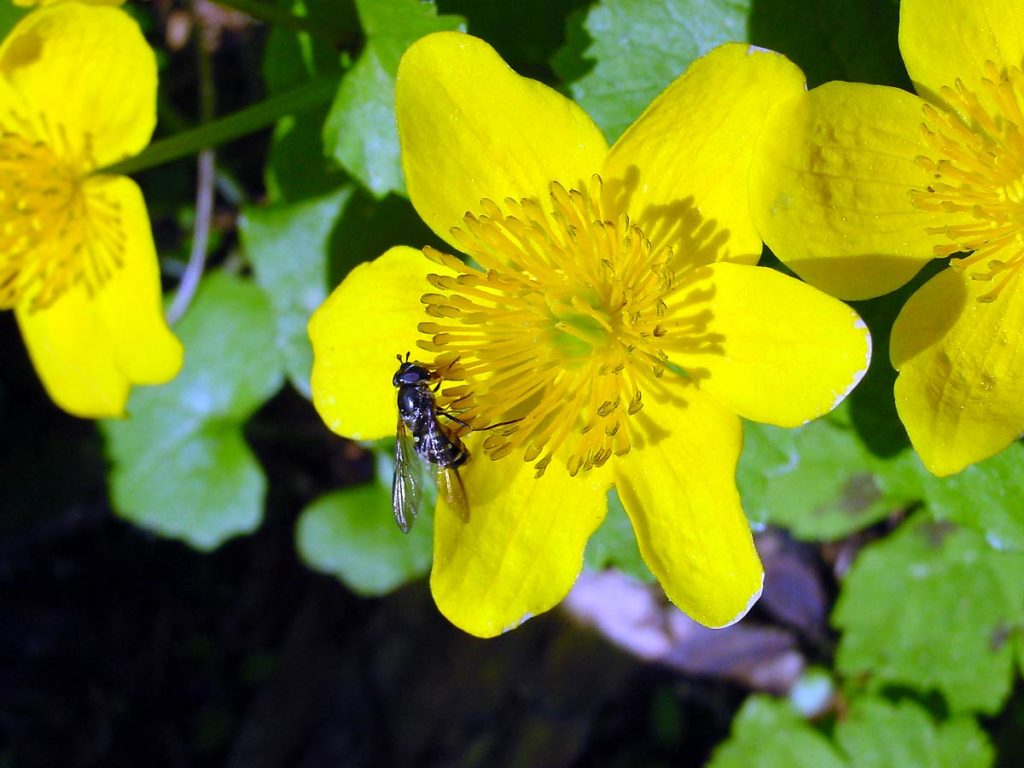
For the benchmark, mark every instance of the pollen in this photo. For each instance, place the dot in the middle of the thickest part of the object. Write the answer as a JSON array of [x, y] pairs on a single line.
[[561, 330], [977, 175], [57, 228]]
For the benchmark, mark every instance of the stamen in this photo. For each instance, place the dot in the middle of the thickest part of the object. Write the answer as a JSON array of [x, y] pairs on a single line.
[[560, 329], [978, 175], [59, 229]]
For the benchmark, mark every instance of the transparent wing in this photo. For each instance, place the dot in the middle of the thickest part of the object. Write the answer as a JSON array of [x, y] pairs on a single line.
[[451, 489], [407, 484]]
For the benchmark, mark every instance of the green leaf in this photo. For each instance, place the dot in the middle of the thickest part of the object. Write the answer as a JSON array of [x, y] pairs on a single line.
[[640, 46], [298, 166], [871, 404], [876, 733], [289, 247], [291, 58], [769, 734], [368, 227], [10, 15], [985, 496], [180, 464], [934, 607], [360, 131], [614, 545], [879, 734], [527, 48], [820, 480], [853, 40], [352, 535]]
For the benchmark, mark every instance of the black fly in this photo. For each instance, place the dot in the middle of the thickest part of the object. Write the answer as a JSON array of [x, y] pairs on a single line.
[[421, 438]]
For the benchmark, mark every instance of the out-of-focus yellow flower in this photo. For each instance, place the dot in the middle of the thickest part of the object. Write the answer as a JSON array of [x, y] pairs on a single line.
[[77, 260], [613, 309], [856, 187], [44, 3]]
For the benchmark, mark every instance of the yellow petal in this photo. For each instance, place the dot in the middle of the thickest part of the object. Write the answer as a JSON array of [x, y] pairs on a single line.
[[830, 183], [687, 156], [471, 128], [522, 547], [942, 40], [960, 389], [43, 3], [89, 349], [74, 356], [129, 305], [782, 352], [356, 333], [680, 493], [84, 79]]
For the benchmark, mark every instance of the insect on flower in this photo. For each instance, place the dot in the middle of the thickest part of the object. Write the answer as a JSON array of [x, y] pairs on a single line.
[[421, 438]]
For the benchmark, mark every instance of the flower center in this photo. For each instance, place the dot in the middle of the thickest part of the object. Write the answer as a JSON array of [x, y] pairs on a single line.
[[978, 175], [559, 329], [57, 229]]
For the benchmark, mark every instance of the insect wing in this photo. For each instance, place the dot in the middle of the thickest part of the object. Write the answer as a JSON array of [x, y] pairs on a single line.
[[407, 485], [451, 489]]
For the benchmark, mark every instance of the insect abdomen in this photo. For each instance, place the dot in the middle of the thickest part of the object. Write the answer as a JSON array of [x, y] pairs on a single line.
[[439, 448]]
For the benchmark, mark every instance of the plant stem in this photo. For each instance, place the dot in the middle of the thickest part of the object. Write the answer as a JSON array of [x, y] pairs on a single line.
[[200, 238], [206, 172], [225, 129], [282, 17]]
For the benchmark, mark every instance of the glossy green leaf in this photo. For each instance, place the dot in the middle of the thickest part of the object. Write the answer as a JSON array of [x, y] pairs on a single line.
[[360, 131], [291, 58], [613, 544], [871, 405], [289, 247], [880, 734], [637, 47], [351, 534], [10, 15], [768, 733], [527, 47], [820, 481], [298, 166], [986, 497], [874, 733], [180, 464], [368, 227], [936, 608], [853, 40]]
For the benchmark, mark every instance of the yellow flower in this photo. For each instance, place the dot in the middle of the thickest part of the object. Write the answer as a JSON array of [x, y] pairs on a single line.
[[857, 186], [613, 308], [42, 3], [77, 260]]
